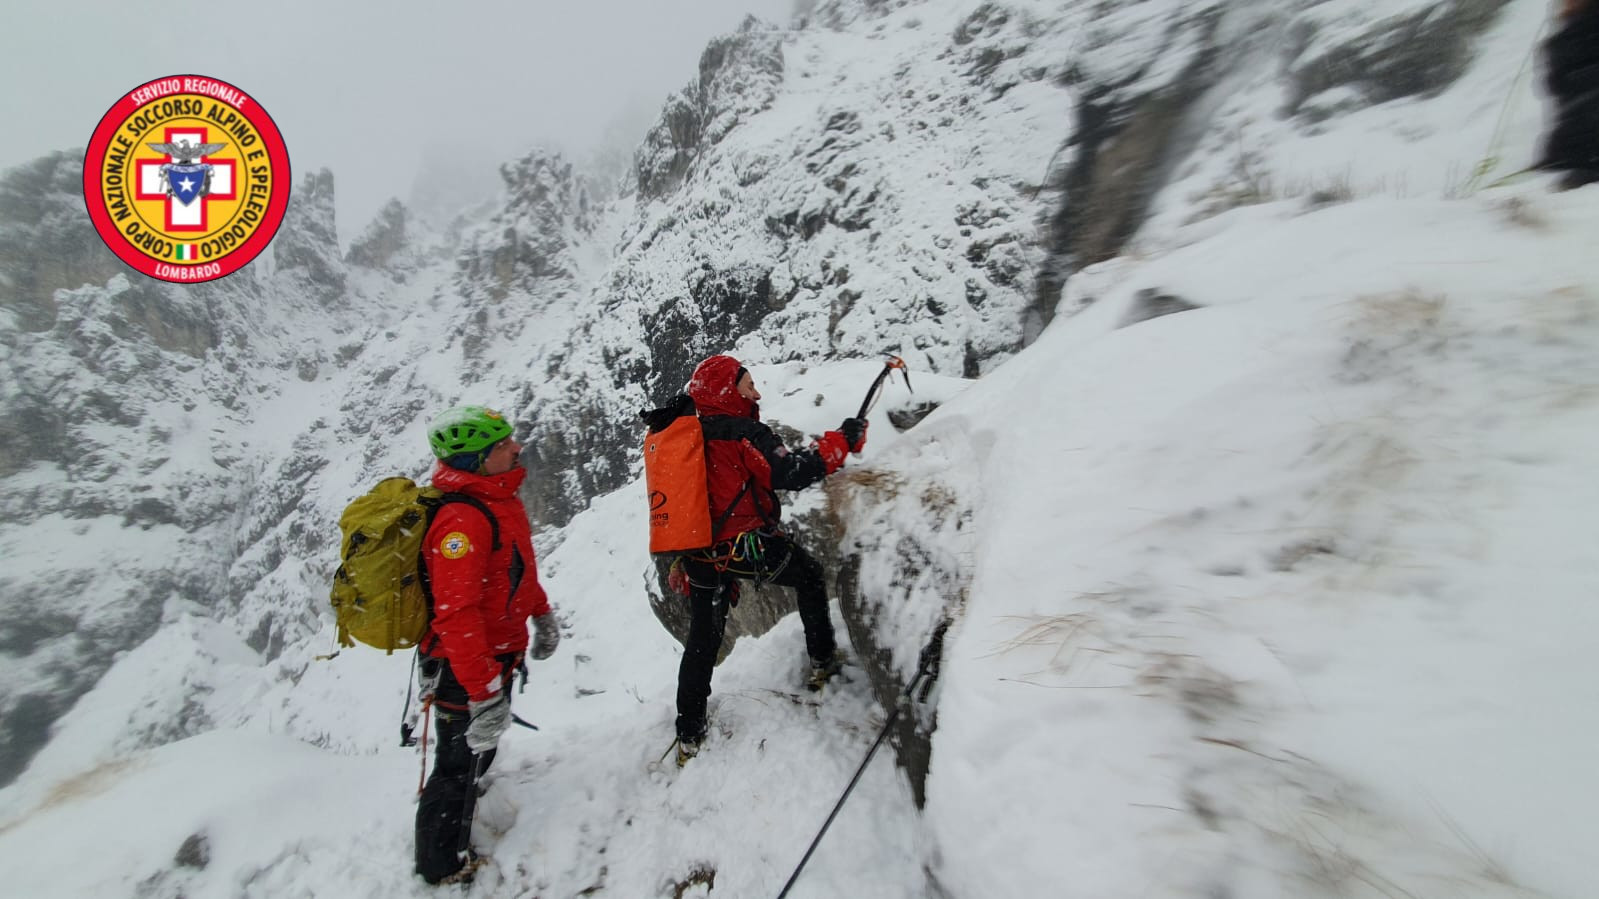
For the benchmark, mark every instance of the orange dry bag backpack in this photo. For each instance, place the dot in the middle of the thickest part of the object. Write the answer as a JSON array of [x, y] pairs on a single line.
[[674, 475]]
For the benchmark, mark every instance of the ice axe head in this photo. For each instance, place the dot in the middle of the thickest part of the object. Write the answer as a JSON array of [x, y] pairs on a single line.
[[893, 362], [904, 370]]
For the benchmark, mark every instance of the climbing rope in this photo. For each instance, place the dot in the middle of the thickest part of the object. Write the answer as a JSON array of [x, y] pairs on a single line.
[[927, 665], [1491, 159]]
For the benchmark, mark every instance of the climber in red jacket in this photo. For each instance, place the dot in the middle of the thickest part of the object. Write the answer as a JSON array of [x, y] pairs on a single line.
[[745, 463], [484, 585]]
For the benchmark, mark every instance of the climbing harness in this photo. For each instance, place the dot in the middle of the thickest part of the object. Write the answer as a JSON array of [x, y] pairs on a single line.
[[743, 556]]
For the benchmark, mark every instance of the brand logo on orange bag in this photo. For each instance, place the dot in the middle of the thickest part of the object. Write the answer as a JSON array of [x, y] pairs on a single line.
[[674, 475]]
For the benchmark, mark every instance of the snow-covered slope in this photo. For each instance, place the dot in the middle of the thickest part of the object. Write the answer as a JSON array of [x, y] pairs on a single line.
[[1289, 614], [1262, 542]]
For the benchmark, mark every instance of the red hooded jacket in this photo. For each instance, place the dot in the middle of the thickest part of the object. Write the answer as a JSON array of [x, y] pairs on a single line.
[[745, 461], [482, 597]]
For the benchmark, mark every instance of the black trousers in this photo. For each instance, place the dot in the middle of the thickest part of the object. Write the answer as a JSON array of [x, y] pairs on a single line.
[[444, 813], [710, 595]]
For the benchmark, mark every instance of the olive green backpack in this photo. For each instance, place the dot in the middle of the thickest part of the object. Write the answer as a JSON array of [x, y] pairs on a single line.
[[380, 592]]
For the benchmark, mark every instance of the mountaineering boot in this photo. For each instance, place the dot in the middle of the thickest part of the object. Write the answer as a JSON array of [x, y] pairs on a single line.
[[468, 871], [822, 671], [687, 749], [689, 746], [1576, 178]]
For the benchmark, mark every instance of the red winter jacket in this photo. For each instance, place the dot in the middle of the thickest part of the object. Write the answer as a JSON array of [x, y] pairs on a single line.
[[739, 450], [482, 598]]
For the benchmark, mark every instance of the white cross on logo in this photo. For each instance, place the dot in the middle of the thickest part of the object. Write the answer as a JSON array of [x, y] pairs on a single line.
[[181, 216]]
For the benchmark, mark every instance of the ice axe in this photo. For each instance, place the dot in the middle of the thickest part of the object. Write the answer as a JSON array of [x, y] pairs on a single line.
[[877, 383]]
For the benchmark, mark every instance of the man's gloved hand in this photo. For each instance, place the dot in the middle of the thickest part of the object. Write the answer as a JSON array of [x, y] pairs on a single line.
[[832, 447], [546, 636], [490, 718], [854, 431]]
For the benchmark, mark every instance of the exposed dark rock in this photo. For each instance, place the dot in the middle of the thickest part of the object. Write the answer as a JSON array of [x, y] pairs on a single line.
[[28, 626], [738, 77], [838, 14], [922, 585], [988, 19], [701, 876], [526, 246], [1121, 153], [175, 318], [383, 240], [758, 610], [722, 306], [25, 724], [1400, 56], [30, 432], [148, 512], [910, 417], [1150, 303], [307, 244], [578, 451], [194, 853], [41, 205]]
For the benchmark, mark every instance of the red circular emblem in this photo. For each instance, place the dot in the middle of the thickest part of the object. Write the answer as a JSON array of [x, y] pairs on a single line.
[[186, 178]]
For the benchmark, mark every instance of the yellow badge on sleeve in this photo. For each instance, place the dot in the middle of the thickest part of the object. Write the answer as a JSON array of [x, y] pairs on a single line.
[[454, 545]]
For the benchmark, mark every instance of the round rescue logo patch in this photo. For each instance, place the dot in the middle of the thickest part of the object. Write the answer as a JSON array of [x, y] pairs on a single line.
[[186, 179], [454, 545]]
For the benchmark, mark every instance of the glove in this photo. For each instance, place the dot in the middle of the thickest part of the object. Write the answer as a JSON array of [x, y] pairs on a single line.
[[490, 718], [854, 431], [546, 636], [832, 447]]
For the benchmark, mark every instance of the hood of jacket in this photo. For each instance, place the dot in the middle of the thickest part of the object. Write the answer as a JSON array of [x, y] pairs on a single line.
[[482, 486], [714, 389]]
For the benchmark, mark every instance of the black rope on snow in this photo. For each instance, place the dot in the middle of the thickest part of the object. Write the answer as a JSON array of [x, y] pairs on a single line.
[[927, 664]]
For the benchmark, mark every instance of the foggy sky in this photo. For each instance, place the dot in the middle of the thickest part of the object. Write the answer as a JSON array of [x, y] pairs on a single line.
[[368, 88]]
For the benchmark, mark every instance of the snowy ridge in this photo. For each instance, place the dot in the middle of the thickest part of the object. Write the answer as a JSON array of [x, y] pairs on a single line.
[[1286, 645], [1306, 590]]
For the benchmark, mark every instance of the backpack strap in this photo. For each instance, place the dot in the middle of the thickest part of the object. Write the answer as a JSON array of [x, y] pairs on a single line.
[[421, 561], [474, 502], [757, 435], [748, 482]]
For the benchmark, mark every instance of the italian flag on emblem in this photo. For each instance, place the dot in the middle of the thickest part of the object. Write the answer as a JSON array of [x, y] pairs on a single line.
[[184, 252]]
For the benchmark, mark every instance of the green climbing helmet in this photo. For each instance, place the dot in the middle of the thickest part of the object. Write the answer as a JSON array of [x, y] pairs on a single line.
[[466, 429]]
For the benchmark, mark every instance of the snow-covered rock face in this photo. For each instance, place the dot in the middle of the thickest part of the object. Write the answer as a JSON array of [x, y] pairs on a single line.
[[911, 532], [740, 75], [869, 183], [307, 245], [1382, 51], [547, 211], [383, 241], [918, 178], [1128, 118], [46, 240], [129, 407]]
